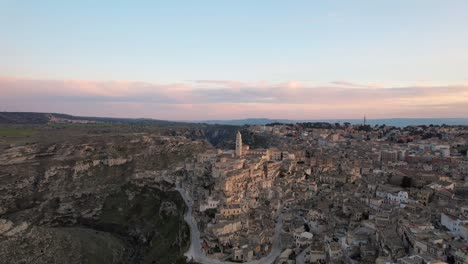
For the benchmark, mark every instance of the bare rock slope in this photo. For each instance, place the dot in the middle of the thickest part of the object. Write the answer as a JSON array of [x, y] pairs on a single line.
[[96, 199]]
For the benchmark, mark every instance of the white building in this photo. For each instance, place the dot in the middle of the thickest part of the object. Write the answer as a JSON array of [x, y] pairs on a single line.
[[303, 238], [457, 226], [210, 204], [399, 198]]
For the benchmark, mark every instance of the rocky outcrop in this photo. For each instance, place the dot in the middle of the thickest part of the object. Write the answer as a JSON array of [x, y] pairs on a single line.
[[63, 245], [103, 199]]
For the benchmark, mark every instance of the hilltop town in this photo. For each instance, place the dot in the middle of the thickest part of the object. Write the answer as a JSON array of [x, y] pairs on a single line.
[[214, 194], [227, 132], [333, 193]]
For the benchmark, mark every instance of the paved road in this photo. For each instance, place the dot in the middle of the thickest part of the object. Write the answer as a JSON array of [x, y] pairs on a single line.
[[300, 257], [195, 251]]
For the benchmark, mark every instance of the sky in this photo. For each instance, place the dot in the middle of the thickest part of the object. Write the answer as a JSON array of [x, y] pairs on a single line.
[[199, 60]]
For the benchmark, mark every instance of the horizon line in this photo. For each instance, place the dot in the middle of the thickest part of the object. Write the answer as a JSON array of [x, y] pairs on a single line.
[[235, 119]]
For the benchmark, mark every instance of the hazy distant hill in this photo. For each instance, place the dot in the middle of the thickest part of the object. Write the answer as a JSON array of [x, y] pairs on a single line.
[[400, 122], [44, 118], [248, 121], [23, 118]]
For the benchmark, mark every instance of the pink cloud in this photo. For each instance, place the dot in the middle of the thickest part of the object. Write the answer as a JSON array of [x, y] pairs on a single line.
[[212, 99], [355, 85]]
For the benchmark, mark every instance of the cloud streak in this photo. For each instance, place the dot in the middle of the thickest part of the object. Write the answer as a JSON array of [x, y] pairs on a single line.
[[218, 99]]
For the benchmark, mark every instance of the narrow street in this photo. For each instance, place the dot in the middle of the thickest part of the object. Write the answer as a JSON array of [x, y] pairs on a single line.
[[300, 258], [195, 251]]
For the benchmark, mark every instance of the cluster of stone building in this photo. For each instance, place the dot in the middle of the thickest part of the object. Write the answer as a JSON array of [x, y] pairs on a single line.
[[236, 202], [345, 195]]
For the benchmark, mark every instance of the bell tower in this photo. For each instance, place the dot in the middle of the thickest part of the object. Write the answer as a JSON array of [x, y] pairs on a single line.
[[238, 144]]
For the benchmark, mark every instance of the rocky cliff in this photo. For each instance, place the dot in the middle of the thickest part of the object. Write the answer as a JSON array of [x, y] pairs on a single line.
[[99, 199]]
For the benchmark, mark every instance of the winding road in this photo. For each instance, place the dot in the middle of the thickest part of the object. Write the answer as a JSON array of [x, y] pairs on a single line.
[[301, 256], [195, 252]]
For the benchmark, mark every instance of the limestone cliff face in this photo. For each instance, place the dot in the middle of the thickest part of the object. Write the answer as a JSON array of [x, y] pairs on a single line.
[[108, 184]]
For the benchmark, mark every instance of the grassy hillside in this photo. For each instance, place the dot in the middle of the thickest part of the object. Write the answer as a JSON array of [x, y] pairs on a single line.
[[44, 118], [23, 118]]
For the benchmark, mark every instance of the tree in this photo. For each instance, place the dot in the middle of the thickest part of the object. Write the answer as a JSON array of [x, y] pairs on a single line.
[[211, 213], [406, 182]]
